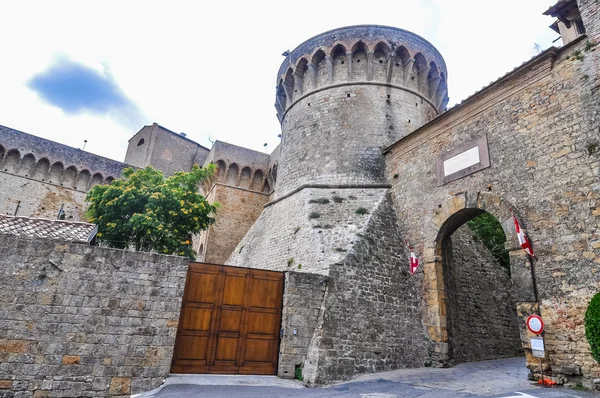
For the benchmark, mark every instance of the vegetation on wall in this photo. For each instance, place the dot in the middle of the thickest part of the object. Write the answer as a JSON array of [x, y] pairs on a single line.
[[592, 326], [321, 201], [487, 230], [149, 212], [361, 211]]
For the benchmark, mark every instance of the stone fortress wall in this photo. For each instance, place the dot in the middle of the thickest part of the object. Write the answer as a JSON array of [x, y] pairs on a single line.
[[364, 128], [242, 185], [39, 176]]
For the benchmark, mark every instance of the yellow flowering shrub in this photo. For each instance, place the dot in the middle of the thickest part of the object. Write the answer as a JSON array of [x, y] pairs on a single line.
[[150, 212]]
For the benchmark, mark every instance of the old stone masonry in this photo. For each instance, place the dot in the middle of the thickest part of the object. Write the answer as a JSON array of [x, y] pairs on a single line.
[[370, 161]]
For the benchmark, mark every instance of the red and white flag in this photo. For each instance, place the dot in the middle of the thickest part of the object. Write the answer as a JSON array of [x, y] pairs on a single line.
[[414, 261], [523, 241]]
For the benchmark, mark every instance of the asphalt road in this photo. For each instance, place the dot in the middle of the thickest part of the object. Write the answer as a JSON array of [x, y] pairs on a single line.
[[371, 389], [502, 378]]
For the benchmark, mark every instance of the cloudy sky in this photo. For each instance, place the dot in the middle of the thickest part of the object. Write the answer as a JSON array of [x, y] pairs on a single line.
[[98, 71]]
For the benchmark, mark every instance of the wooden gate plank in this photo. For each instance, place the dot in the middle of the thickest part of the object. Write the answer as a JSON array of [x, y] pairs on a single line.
[[193, 345], [227, 335], [230, 320]]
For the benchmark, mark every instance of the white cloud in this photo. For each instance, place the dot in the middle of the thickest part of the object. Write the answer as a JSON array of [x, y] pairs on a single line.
[[210, 67]]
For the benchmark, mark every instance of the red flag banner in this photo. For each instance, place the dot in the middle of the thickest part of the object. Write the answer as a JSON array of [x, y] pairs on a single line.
[[523, 241], [414, 261]]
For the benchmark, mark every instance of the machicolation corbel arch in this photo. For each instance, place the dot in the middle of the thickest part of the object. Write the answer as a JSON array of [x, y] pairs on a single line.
[[401, 60], [50, 171], [245, 177], [44, 179]]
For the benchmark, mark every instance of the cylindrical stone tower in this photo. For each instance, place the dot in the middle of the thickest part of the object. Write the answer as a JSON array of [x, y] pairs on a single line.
[[342, 97], [346, 94]]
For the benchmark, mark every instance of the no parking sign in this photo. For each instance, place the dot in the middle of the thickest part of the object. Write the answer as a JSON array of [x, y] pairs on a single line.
[[536, 326]]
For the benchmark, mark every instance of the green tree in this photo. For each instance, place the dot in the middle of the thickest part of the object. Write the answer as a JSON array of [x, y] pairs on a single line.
[[147, 211], [489, 232], [592, 326]]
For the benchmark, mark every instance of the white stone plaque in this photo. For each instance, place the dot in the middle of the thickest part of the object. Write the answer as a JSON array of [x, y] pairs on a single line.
[[461, 161]]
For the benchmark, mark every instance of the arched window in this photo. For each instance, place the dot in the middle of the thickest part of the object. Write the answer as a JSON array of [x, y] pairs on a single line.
[[141, 142]]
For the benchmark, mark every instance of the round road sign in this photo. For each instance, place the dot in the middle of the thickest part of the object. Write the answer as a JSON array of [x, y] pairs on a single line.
[[535, 324]]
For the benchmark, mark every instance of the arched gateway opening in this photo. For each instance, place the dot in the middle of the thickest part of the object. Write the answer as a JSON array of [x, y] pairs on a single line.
[[476, 308], [481, 317]]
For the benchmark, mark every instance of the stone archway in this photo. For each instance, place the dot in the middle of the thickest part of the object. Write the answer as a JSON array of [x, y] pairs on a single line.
[[448, 217]]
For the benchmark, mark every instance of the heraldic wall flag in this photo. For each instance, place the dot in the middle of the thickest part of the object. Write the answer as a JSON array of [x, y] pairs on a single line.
[[414, 261], [523, 241]]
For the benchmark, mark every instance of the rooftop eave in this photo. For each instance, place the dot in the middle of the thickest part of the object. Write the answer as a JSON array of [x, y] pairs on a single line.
[[560, 7]]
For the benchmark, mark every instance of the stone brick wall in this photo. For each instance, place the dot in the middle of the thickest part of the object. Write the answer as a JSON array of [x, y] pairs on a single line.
[[373, 310], [480, 310], [320, 124], [53, 152], [542, 124], [139, 148], [85, 321], [172, 152], [590, 14], [302, 304], [243, 157], [31, 198], [240, 209]]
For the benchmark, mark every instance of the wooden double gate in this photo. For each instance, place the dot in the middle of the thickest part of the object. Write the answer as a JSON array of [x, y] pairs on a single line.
[[230, 320]]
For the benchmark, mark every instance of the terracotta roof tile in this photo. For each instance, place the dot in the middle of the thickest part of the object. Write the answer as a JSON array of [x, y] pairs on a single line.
[[72, 231]]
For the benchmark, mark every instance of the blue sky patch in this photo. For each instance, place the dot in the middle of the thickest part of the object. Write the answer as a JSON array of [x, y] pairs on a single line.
[[76, 88]]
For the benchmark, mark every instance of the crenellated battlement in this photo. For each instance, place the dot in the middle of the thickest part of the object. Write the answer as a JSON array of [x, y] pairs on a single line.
[[363, 54], [240, 167], [43, 160]]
